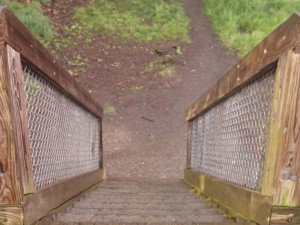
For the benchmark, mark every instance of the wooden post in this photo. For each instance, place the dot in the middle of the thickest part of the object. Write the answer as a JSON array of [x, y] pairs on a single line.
[[11, 193], [101, 145], [188, 153], [280, 108], [287, 168], [19, 114]]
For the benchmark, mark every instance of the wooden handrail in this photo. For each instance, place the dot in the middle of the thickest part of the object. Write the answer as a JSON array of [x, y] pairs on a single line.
[[20, 202], [278, 200]]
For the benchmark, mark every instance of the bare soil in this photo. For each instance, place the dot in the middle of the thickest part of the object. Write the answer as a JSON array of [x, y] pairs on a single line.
[[147, 135]]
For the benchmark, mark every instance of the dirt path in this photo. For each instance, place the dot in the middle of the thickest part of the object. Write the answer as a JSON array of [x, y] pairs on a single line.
[[148, 137]]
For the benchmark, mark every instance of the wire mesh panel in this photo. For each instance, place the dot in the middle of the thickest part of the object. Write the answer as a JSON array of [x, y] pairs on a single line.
[[228, 141], [64, 137]]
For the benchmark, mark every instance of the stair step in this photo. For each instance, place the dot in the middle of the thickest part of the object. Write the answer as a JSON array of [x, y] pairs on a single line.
[[140, 203]]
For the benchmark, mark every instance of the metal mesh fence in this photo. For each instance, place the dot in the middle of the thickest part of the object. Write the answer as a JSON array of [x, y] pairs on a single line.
[[228, 141], [64, 137]]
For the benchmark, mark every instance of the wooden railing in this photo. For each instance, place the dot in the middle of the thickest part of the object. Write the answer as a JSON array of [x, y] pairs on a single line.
[[257, 141], [30, 81]]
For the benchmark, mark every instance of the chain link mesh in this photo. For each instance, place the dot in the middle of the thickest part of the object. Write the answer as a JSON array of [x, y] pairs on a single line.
[[64, 137], [228, 141]]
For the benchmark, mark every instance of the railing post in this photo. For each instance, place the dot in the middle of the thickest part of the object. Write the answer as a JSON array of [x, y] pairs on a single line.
[[11, 193], [287, 169], [20, 123]]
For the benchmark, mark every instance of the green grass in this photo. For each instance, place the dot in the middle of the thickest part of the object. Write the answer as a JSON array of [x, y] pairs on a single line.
[[109, 110], [33, 18], [242, 24], [139, 20]]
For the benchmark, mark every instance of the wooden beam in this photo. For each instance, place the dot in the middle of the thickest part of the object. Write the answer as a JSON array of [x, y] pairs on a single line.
[[278, 122], [11, 214], [48, 219], [43, 201], [284, 38], [19, 114], [287, 167], [32, 51], [188, 153], [101, 145], [10, 189], [239, 201], [285, 215]]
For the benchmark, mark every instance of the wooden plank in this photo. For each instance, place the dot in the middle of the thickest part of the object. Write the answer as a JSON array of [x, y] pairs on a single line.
[[101, 145], [32, 51], [40, 203], [48, 219], [12, 215], [19, 115], [193, 179], [287, 173], [284, 38], [280, 107], [188, 153], [239, 201], [10, 189], [285, 215]]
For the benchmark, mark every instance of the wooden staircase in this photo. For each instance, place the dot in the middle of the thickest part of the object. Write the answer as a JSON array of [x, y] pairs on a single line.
[[138, 202]]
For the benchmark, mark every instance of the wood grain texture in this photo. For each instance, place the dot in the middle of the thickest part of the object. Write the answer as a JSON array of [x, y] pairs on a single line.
[[19, 115], [284, 215], [284, 38], [11, 215], [280, 107], [101, 145], [32, 51], [287, 167], [48, 219], [237, 200], [188, 153], [40, 203], [10, 190]]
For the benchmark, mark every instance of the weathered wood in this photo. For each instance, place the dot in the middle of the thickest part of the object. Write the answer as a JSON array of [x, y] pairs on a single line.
[[48, 219], [31, 50], [40, 203], [284, 215], [287, 172], [238, 200], [11, 215], [101, 145], [188, 153], [284, 38], [280, 107], [20, 123], [10, 190]]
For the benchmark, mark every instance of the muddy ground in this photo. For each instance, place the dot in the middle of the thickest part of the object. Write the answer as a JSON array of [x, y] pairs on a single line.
[[146, 136]]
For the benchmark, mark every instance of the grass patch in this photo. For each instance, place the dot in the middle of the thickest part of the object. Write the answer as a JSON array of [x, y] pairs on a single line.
[[109, 110], [136, 88], [139, 20], [33, 18], [160, 67], [242, 24]]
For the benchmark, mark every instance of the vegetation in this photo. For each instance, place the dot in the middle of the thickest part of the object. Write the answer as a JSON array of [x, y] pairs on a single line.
[[242, 24], [32, 16], [109, 110], [144, 21]]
